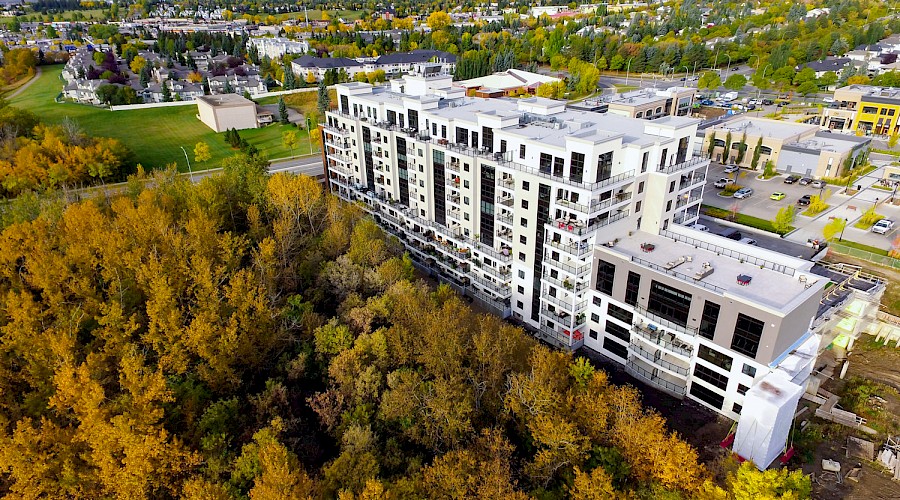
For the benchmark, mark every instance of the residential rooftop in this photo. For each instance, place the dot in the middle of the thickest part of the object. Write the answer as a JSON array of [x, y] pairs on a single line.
[[774, 284], [764, 127], [225, 100]]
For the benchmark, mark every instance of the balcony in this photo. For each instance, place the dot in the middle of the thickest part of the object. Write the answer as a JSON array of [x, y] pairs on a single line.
[[667, 341], [578, 228], [653, 379], [341, 169], [683, 277], [696, 178], [693, 161], [575, 268], [338, 157], [594, 206], [506, 201], [683, 202], [505, 234], [578, 250], [567, 321], [554, 337], [657, 359], [565, 284], [501, 289], [452, 182], [665, 323], [569, 305], [506, 183], [505, 219], [453, 166], [453, 198], [502, 274], [454, 214], [341, 132]]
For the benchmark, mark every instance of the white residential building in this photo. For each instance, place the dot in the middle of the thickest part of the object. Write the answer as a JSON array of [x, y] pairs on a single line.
[[276, 48], [571, 222]]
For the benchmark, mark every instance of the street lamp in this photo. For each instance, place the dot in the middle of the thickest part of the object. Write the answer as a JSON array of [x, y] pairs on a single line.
[[309, 134], [841, 237], [628, 70], [191, 172], [694, 74]]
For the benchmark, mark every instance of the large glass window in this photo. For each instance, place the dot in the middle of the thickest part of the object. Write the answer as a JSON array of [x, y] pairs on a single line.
[[604, 166], [606, 274], [623, 315], [710, 376], [747, 333], [617, 331], [709, 319], [708, 396], [546, 163], [615, 348], [576, 167], [714, 357], [669, 303], [632, 286]]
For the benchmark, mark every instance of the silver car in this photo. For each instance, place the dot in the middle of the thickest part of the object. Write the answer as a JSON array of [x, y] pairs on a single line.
[[743, 193]]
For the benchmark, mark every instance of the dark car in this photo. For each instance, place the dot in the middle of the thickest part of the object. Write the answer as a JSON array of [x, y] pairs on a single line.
[[751, 107], [706, 102], [804, 200], [805, 181], [791, 179], [731, 234], [768, 102]]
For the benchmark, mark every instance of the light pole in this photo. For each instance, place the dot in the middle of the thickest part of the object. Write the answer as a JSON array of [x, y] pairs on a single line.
[[687, 72], [841, 237], [729, 64], [694, 74], [309, 134], [190, 172], [628, 70]]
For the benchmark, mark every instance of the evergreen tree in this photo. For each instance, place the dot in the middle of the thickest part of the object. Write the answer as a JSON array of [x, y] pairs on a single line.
[[290, 81], [228, 89], [282, 111], [757, 151], [166, 93], [206, 85], [324, 100]]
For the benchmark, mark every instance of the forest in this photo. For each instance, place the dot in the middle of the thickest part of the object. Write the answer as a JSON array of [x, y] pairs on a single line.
[[250, 336]]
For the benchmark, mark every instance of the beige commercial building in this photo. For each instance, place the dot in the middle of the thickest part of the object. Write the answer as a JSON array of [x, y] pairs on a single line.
[[226, 111], [792, 147]]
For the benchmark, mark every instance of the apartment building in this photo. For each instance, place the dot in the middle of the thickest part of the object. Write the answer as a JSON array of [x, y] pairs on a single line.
[[864, 110], [571, 223]]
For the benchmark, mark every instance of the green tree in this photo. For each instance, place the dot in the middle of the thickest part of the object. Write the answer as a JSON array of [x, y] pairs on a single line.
[[709, 80], [282, 111], [807, 88], [783, 220], [323, 100], [757, 151], [735, 82], [711, 147], [290, 140], [742, 149], [749, 483], [833, 228], [201, 152], [727, 153]]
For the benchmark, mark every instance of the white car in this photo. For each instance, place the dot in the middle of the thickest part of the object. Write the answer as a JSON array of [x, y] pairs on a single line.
[[723, 182], [829, 100], [883, 226], [747, 241], [731, 169]]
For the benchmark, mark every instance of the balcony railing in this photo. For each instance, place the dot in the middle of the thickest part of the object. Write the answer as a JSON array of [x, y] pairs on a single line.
[[554, 337], [650, 378], [579, 250], [577, 269], [505, 219], [594, 206], [652, 358], [574, 228], [565, 284], [656, 337], [684, 202], [666, 323], [570, 306], [688, 163], [336, 131]]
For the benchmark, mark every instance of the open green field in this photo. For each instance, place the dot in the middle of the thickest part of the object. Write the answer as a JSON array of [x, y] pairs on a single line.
[[68, 15], [155, 135]]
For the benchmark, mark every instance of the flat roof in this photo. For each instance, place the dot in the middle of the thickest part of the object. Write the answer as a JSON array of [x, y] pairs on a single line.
[[771, 289], [764, 127], [225, 100]]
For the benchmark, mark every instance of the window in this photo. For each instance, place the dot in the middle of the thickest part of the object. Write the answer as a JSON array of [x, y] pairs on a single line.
[[644, 162], [520, 289], [522, 256], [742, 389], [669, 206], [747, 333], [524, 222], [737, 408], [870, 109], [503, 145], [465, 200], [670, 303], [615, 348], [709, 319], [714, 357], [466, 184], [545, 163], [606, 274], [672, 187], [524, 203], [576, 167], [619, 313], [523, 239], [522, 151], [707, 396], [637, 207], [632, 286], [525, 185], [749, 370], [444, 131], [712, 377], [640, 187], [604, 166], [521, 274], [617, 331], [592, 334], [519, 305], [558, 166], [595, 317]]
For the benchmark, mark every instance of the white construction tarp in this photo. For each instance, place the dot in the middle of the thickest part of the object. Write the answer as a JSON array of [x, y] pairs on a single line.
[[765, 424], [801, 361]]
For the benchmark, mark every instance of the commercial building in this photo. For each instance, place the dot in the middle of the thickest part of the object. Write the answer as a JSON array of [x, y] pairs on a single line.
[[647, 104], [864, 110], [508, 82], [226, 111], [572, 223], [792, 147]]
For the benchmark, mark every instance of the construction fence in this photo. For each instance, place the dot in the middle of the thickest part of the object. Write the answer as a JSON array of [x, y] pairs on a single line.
[[882, 260]]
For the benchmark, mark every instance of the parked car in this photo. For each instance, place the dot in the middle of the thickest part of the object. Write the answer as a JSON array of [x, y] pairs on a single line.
[[828, 99], [777, 195], [805, 181], [731, 234], [723, 182], [768, 102], [731, 169], [883, 226], [743, 193], [791, 179], [817, 184], [804, 200], [751, 107], [747, 241], [699, 227], [706, 102]]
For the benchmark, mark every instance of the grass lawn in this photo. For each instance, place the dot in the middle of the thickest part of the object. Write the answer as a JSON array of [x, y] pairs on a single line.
[[624, 88], [154, 135], [860, 246], [746, 220], [810, 213]]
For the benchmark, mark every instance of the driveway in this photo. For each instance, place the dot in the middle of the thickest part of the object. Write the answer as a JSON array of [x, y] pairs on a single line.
[[759, 204]]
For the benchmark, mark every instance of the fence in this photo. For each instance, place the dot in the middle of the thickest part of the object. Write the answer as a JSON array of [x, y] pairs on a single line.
[[882, 260]]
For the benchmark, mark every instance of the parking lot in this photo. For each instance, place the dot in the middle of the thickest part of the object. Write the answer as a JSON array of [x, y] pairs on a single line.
[[841, 206]]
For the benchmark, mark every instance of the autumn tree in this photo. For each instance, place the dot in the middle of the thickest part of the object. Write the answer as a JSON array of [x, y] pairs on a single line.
[[833, 228], [202, 153], [289, 140], [783, 220]]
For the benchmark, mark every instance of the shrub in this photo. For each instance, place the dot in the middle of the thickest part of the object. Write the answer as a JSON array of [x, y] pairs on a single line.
[[730, 189]]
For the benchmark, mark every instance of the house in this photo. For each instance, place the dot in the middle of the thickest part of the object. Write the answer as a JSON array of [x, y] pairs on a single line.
[[276, 48], [835, 64], [227, 111], [304, 65], [396, 63], [511, 80]]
